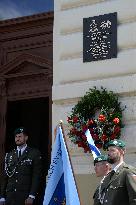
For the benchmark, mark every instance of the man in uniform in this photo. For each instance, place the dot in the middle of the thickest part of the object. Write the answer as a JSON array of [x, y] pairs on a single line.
[[119, 187], [22, 172], [102, 168]]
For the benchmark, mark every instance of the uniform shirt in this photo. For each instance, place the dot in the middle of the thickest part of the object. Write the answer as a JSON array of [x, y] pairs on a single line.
[[115, 168], [22, 149]]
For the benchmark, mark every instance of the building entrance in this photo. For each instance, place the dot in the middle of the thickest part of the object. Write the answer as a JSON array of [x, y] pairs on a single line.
[[34, 115]]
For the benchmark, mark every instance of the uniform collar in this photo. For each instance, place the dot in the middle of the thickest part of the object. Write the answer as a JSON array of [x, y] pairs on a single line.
[[115, 168], [22, 148]]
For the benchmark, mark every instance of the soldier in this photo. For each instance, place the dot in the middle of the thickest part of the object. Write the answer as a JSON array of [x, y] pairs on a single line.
[[102, 168], [119, 187], [22, 172]]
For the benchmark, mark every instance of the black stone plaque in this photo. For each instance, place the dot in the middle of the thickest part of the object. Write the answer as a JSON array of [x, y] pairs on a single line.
[[100, 37]]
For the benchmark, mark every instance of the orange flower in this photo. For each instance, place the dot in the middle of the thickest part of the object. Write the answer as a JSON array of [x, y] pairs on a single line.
[[116, 120], [102, 118]]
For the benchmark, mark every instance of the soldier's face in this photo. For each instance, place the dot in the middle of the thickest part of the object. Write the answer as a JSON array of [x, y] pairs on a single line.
[[114, 154], [20, 139], [100, 169]]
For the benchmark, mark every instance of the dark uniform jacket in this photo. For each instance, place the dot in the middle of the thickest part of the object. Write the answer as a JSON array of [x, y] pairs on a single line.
[[22, 175], [121, 188], [96, 196]]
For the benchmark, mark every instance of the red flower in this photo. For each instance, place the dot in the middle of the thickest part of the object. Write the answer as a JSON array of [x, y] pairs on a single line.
[[90, 122], [91, 130], [95, 136], [80, 144], [99, 146], [86, 149], [84, 138], [69, 119], [84, 128], [113, 136], [116, 120], [104, 137], [75, 119], [116, 129], [84, 145], [74, 131], [77, 133], [102, 118]]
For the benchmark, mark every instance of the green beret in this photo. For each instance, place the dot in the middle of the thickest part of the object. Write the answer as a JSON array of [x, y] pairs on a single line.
[[20, 130], [100, 159], [118, 143]]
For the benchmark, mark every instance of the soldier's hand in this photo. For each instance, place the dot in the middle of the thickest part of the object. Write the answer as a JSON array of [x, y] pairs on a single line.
[[28, 201]]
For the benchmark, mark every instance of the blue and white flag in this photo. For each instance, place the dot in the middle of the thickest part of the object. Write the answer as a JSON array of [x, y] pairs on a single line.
[[95, 151], [61, 187]]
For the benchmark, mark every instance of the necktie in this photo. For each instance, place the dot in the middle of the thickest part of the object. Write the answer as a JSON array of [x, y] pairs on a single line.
[[111, 174], [19, 154]]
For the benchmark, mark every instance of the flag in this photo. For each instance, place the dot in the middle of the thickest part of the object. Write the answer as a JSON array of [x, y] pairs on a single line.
[[61, 187], [95, 151]]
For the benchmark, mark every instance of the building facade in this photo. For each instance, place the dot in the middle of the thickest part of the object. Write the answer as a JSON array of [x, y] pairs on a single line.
[[28, 80], [72, 78], [26, 73]]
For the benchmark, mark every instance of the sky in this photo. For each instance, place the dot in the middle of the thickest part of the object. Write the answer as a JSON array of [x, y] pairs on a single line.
[[17, 8]]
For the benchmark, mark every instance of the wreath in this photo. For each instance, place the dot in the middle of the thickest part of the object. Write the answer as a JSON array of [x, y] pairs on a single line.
[[101, 113]]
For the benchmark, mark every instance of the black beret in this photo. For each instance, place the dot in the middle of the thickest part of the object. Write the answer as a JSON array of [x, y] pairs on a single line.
[[20, 130]]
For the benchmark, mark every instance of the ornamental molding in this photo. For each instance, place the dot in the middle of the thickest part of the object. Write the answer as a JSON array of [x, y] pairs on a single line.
[[31, 44], [26, 76], [32, 18], [12, 66]]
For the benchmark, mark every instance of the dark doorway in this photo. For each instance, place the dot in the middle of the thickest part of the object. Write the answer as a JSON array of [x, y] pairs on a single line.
[[34, 115]]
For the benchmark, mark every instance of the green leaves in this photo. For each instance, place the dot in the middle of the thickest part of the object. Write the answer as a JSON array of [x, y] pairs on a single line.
[[106, 127]]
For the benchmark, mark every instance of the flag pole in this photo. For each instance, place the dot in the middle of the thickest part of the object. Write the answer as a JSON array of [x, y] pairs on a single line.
[[63, 132]]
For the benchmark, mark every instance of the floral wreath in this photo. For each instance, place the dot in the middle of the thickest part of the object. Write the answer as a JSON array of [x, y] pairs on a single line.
[[107, 126]]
